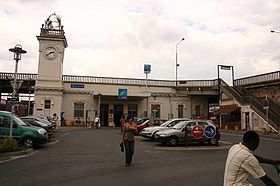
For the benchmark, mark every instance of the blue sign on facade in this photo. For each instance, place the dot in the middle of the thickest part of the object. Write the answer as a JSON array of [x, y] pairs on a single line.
[[77, 86], [122, 94], [210, 131], [147, 68]]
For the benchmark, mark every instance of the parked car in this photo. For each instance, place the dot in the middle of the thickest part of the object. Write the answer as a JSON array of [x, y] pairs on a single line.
[[34, 122], [143, 125], [139, 121], [29, 136], [48, 119], [176, 134], [40, 119], [150, 132]]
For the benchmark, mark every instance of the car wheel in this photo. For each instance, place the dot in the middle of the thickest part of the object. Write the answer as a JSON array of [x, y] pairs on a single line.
[[153, 136], [173, 141], [28, 142]]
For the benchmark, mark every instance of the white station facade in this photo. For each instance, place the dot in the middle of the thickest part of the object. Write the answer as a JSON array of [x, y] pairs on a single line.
[[73, 97]]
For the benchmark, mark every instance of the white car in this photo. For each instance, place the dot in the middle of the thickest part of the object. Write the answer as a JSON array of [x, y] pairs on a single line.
[[177, 134], [149, 132]]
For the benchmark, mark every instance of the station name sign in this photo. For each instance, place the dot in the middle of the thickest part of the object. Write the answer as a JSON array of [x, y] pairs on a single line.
[[77, 86]]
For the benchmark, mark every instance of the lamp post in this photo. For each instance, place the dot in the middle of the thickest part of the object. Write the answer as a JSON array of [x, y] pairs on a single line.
[[177, 60], [17, 56], [273, 31]]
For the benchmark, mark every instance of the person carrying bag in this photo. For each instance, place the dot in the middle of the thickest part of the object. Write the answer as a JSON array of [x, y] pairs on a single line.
[[127, 140]]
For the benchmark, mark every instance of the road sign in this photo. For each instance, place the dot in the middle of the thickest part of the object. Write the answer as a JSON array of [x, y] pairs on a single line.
[[265, 104], [147, 68], [197, 131], [210, 131]]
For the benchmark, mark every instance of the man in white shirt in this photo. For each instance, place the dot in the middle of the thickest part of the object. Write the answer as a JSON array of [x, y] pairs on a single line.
[[241, 162], [97, 122]]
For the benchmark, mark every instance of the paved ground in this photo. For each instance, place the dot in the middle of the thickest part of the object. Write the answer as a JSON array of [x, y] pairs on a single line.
[[61, 131], [82, 156]]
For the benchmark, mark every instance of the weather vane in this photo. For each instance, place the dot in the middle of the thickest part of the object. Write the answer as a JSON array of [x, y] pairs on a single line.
[[53, 22]]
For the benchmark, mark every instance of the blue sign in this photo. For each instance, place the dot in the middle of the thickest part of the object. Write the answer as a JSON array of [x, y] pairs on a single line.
[[77, 86], [210, 131], [147, 68], [122, 94]]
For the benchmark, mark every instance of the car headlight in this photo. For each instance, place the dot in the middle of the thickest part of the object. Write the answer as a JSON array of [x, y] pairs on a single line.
[[163, 134], [42, 131]]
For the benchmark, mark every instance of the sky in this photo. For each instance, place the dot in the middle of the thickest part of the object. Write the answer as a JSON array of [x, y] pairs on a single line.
[[115, 38]]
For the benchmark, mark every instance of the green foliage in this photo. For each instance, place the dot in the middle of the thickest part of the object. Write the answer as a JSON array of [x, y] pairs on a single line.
[[9, 145]]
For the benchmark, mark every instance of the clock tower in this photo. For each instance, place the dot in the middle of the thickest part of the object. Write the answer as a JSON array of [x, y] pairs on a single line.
[[48, 90]]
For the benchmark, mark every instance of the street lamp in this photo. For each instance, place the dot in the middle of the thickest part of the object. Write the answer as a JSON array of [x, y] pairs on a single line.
[[177, 60], [17, 56]]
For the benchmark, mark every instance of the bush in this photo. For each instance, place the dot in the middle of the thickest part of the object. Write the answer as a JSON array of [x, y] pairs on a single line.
[[9, 145]]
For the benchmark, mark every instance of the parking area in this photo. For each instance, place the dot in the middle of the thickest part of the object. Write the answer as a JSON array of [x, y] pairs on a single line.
[[83, 156]]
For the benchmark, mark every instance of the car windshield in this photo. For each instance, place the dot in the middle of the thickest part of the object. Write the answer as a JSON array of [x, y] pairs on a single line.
[[165, 123], [142, 120], [19, 121], [179, 125]]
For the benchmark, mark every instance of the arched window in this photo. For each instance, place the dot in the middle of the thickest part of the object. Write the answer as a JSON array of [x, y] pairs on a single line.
[[155, 110]]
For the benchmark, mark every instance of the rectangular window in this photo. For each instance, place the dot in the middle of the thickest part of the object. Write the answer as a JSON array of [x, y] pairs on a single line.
[[47, 104], [79, 109], [180, 111], [197, 110], [132, 110]]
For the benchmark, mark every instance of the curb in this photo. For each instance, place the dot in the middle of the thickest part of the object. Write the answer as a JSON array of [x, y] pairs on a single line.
[[9, 155], [241, 132]]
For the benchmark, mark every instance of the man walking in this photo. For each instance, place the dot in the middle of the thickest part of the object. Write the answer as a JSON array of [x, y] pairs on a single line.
[[241, 162]]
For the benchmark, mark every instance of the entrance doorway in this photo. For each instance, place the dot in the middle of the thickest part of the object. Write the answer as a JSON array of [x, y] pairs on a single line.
[[118, 112], [104, 114]]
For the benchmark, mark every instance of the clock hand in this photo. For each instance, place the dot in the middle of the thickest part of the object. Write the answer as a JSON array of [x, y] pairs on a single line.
[[50, 52]]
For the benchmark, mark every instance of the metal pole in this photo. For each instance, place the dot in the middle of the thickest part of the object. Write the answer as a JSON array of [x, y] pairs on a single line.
[[232, 76], [98, 109], [13, 96], [28, 112], [92, 114], [146, 80], [220, 97], [176, 67]]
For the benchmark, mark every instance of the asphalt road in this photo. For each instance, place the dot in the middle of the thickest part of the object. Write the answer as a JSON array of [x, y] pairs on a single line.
[[82, 156]]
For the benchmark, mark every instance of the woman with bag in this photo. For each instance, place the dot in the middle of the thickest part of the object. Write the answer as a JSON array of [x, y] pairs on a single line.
[[129, 131]]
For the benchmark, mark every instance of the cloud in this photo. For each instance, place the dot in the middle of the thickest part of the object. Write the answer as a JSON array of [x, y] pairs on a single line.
[[116, 38]]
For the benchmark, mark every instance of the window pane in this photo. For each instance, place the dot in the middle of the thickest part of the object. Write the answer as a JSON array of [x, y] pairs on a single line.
[[180, 111], [132, 110], [155, 109], [79, 109], [47, 104]]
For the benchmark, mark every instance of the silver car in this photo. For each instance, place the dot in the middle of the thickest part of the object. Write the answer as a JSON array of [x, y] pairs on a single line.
[[149, 132], [176, 134]]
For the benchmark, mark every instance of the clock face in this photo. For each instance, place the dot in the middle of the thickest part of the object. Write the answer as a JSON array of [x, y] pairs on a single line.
[[50, 52]]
